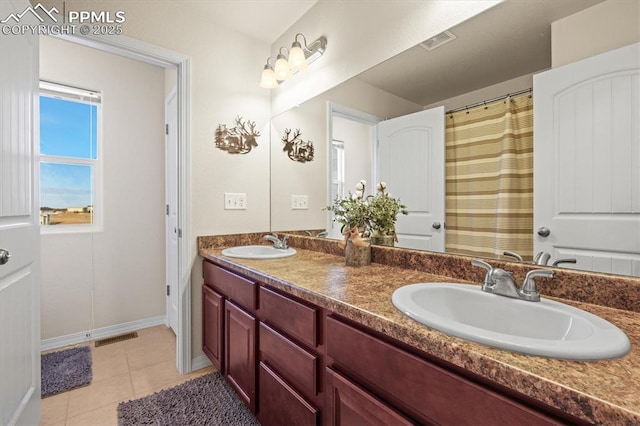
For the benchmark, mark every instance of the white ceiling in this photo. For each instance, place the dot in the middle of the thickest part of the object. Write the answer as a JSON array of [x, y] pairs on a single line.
[[507, 41], [263, 20]]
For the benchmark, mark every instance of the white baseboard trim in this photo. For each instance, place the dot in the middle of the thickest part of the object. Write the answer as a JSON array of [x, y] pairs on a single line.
[[200, 362], [100, 333]]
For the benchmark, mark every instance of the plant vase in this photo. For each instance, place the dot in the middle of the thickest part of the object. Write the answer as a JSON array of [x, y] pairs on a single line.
[[357, 254], [383, 240]]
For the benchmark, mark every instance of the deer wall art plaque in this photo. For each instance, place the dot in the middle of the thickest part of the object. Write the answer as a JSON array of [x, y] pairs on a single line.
[[239, 139], [296, 148]]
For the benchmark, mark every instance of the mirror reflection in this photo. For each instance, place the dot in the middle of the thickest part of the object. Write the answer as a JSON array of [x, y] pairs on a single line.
[[482, 192]]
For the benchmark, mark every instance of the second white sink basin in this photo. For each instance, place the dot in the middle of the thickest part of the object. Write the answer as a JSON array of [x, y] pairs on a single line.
[[546, 328], [258, 252]]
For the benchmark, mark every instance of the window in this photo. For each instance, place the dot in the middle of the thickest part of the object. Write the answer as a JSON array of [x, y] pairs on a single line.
[[69, 158], [337, 169]]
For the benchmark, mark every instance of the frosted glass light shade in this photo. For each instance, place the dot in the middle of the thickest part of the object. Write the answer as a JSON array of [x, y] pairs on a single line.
[[282, 70], [297, 61], [268, 80]]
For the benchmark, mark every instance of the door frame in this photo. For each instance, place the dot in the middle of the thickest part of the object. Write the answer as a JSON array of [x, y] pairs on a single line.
[[337, 110], [159, 56], [171, 263]]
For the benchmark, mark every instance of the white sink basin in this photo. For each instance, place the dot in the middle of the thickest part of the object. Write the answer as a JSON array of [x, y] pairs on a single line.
[[546, 328], [258, 252]]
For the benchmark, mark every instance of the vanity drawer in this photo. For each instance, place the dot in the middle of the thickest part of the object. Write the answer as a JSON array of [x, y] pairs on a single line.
[[232, 286], [422, 389], [293, 318], [294, 364]]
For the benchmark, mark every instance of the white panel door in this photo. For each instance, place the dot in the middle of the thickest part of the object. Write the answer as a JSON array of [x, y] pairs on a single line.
[[411, 161], [171, 185], [587, 162], [19, 224]]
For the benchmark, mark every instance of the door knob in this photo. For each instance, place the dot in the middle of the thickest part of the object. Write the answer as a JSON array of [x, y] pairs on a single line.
[[543, 231], [4, 256], [436, 225]]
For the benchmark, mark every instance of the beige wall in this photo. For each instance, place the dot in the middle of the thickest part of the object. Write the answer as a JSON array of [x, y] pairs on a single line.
[[119, 271], [225, 71], [603, 27], [486, 93], [289, 177]]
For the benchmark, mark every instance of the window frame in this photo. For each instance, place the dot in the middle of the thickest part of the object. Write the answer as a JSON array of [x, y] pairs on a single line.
[[90, 97]]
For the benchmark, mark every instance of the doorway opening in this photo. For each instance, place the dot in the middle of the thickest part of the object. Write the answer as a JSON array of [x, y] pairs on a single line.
[[177, 171], [352, 137]]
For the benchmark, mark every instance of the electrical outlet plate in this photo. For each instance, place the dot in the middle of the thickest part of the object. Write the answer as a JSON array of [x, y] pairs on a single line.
[[235, 201], [299, 202]]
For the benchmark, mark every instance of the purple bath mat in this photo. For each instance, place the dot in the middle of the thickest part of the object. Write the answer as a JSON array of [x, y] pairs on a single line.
[[205, 401], [65, 370]]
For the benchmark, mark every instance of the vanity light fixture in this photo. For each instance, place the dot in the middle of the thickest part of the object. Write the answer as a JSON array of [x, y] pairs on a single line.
[[282, 68], [268, 80], [290, 61]]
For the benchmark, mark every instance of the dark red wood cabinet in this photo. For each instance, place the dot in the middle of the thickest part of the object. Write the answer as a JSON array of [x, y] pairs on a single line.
[[350, 405], [420, 389], [280, 403], [294, 363], [290, 361], [212, 326], [229, 328], [240, 352]]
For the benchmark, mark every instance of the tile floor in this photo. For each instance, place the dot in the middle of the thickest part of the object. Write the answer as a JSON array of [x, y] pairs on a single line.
[[122, 371]]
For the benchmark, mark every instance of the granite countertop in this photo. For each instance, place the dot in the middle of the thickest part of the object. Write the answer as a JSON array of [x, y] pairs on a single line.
[[601, 392]]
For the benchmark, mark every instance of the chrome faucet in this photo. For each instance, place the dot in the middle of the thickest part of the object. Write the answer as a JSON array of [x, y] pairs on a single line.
[[559, 261], [500, 282], [513, 254], [541, 258], [277, 242]]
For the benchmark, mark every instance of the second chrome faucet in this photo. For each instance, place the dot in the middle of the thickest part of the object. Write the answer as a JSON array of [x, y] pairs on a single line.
[[500, 282], [277, 242]]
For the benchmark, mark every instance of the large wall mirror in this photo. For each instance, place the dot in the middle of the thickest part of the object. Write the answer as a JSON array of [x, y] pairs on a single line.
[[490, 55]]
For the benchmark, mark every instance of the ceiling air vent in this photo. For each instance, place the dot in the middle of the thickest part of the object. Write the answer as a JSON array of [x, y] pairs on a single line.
[[438, 40]]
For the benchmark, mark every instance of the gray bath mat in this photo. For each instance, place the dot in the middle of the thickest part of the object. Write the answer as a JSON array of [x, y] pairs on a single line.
[[207, 400], [65, 370]]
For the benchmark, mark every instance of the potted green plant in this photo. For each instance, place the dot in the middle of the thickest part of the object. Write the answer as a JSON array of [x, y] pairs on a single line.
[[353, 212], [383, 214]]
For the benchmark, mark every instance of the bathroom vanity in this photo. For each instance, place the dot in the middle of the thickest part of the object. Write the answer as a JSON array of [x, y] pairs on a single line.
[[307, 340]]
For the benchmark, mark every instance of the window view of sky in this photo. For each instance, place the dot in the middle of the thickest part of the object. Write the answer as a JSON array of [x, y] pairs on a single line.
[[65, 185], [67, 129]]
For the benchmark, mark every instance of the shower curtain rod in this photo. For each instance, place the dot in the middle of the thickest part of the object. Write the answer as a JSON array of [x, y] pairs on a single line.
[[499, 98]]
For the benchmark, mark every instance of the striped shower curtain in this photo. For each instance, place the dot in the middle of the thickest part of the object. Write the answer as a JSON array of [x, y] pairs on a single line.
[[489, 179]]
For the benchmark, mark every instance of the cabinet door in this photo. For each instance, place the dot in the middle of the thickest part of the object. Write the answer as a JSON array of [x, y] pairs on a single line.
[[349, 404], [280, 404], [212, 327], [240, 352]]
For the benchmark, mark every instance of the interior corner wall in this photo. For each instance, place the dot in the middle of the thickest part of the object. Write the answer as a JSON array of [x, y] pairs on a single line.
[[598, 29], [120, 271]]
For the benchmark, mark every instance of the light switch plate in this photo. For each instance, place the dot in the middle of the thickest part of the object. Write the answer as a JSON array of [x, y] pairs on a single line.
[[299, 202], [235, 201]]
